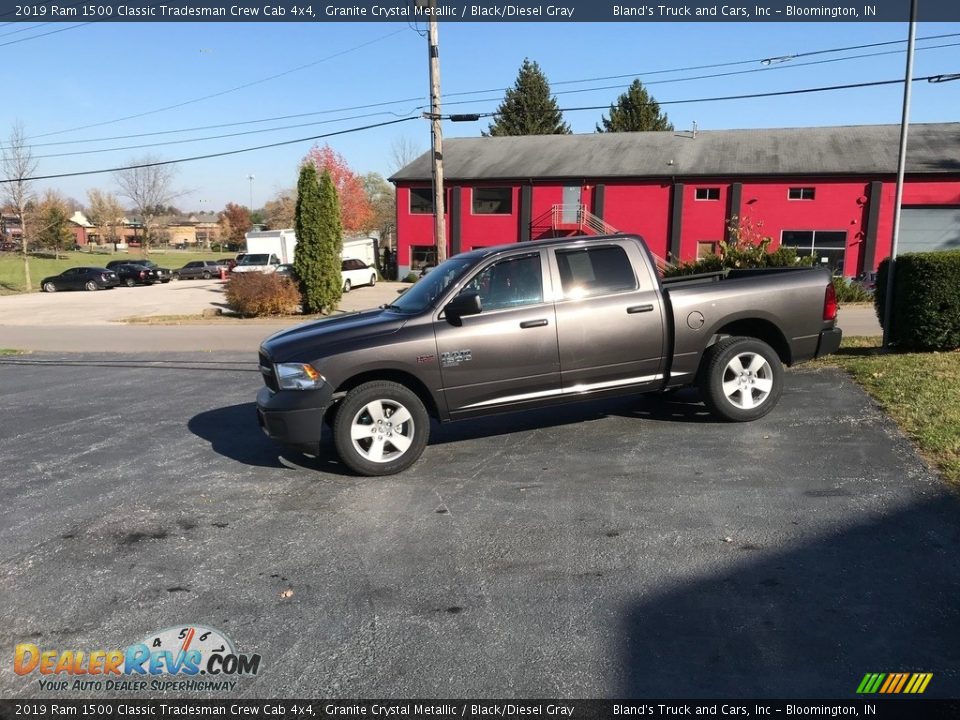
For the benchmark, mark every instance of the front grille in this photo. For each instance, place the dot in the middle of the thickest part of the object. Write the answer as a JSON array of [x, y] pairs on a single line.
[[266, 370]]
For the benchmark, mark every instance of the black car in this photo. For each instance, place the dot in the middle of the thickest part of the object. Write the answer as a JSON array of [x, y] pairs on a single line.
[[162, 274], [205, 269], [81, 278], [131, 274]]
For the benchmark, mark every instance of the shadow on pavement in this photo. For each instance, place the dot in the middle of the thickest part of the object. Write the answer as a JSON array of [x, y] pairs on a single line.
[[683, 406], [234, 433], [811, 622]]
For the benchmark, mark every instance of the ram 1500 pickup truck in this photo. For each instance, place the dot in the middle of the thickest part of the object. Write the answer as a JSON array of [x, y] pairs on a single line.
[[530, 324]]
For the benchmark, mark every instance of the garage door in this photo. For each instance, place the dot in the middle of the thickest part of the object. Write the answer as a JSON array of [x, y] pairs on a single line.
[[926, 229]]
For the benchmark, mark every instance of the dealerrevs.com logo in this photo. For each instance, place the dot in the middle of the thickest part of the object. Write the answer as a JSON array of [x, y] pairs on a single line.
[[190, 658]]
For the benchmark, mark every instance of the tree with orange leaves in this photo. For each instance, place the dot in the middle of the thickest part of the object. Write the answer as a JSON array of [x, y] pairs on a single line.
[[356, 213]]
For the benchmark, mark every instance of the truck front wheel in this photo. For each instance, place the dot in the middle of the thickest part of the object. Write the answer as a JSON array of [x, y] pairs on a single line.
[[743, 379], [381, 428]]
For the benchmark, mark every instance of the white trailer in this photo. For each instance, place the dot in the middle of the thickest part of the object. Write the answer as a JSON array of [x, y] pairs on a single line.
[[265, 249]]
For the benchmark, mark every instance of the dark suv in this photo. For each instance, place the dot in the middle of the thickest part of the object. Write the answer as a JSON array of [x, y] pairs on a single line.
[[162, 274], [205, 269]]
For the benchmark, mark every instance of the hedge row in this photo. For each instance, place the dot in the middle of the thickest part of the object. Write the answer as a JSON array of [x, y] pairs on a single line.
[[926, 300], [253, 294]]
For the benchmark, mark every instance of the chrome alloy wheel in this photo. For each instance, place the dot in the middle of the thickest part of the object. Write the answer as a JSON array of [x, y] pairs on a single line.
[[747, 380], [382, 431]]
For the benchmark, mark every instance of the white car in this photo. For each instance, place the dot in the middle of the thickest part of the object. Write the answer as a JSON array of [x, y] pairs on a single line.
[[357, 272]]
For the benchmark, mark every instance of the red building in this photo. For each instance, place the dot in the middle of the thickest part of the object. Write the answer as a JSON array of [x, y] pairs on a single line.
[[827, 191]]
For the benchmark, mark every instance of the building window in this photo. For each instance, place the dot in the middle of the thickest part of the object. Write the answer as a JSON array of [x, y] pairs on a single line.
[[492, 201], [421, 256], [708, 193], [421, 201], [801, 193], [705, 248], [827, 247]]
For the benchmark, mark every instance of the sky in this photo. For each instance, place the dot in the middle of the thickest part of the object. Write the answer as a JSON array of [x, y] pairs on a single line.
[[96, 74]]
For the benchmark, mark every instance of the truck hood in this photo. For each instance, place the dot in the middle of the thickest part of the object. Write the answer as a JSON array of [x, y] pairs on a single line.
[[317, 338]]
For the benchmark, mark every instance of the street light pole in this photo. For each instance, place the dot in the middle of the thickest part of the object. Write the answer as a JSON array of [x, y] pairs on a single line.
[[901, 164], [251, 178]]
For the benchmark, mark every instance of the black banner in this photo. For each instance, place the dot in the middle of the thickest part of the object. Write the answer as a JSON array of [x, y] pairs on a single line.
[[868, 707], [639, 11]]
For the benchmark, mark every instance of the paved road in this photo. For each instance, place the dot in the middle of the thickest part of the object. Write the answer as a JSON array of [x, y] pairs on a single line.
[[619, 548]]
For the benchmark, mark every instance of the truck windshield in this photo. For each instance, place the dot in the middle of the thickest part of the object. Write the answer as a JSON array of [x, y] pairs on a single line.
[[428, 289], [255, 259]]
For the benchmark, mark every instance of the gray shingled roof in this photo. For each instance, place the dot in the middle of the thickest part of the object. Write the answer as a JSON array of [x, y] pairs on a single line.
[[847, 150]]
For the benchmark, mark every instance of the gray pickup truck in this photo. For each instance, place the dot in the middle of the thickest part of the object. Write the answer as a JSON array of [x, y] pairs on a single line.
[[532, 324]]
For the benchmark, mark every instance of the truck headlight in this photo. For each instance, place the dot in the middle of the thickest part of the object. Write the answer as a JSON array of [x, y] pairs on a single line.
[[298, 376]]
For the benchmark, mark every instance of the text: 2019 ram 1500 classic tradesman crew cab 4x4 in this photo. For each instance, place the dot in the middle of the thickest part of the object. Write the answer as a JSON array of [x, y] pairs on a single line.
[[530, 324]]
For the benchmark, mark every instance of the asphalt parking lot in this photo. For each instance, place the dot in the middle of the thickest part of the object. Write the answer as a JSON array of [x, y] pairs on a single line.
[[631, 547]]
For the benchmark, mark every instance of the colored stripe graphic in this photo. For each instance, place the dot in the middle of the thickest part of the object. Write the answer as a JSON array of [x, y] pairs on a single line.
[[894, 683]]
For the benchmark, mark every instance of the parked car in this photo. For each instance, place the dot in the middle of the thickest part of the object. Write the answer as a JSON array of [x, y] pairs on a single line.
[[81, 278], [9, 247], [131, 274], [868, 281], [205, 269], [527, 325], [356, 272], [162, 274], [286, 269]]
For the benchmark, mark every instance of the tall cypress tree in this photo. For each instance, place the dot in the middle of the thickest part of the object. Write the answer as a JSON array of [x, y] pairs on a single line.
[[317, 257], [635, 110], [528, 108]]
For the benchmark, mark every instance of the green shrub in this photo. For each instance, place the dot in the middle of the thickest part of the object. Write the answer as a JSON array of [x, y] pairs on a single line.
[[253, 294], [926, 300], [411, 277], [747, 248], [850, 292]]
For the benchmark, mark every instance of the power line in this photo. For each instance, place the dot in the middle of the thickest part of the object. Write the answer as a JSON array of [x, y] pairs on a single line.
[[211, 155], [222, 92], [210, 137], [390, 103], [52, 32]]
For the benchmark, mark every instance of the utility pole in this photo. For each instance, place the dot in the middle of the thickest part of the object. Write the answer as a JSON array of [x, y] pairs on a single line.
[[251, 178], [436, 136]]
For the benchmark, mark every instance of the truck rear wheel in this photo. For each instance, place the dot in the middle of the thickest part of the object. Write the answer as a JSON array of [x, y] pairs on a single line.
[[743, 379], [381, 428]]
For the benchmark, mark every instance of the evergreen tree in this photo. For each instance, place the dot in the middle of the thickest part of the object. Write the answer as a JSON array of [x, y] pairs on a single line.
[[635, 110], [319, 241], [528, 108]]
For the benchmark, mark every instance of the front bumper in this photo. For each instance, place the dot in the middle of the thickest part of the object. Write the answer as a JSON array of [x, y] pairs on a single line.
[[293, 417], [829, 342]]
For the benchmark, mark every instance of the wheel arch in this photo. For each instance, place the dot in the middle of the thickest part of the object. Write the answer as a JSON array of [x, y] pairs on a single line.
[[401, 377], [758, 329]]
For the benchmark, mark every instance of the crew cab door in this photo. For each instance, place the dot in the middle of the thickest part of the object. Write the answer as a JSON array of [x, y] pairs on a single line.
[[610, 321], [507, 354]]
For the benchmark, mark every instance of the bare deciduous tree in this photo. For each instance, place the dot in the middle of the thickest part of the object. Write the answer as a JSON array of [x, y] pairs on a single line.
[[105, 213], [404, 150], [18, 165], [149, 186]]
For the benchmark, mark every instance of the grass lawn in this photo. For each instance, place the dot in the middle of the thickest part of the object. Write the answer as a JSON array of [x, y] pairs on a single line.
[[11, 264], [920, 391]]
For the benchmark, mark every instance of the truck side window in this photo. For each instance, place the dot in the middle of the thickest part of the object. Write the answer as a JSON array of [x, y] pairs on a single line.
[[595, 271], [509, 283]]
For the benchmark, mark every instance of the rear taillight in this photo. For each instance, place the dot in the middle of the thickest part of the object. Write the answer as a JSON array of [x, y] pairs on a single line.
[[830, 303]]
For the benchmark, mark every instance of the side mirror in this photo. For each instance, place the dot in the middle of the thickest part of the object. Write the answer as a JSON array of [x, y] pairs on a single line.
[[467, 303]]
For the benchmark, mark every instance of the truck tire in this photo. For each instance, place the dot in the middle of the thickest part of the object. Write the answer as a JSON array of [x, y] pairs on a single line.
[[381, 428], [742, 379]]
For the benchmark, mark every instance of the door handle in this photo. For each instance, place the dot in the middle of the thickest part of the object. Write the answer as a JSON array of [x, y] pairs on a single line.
[[633, 309], [533, 323]]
